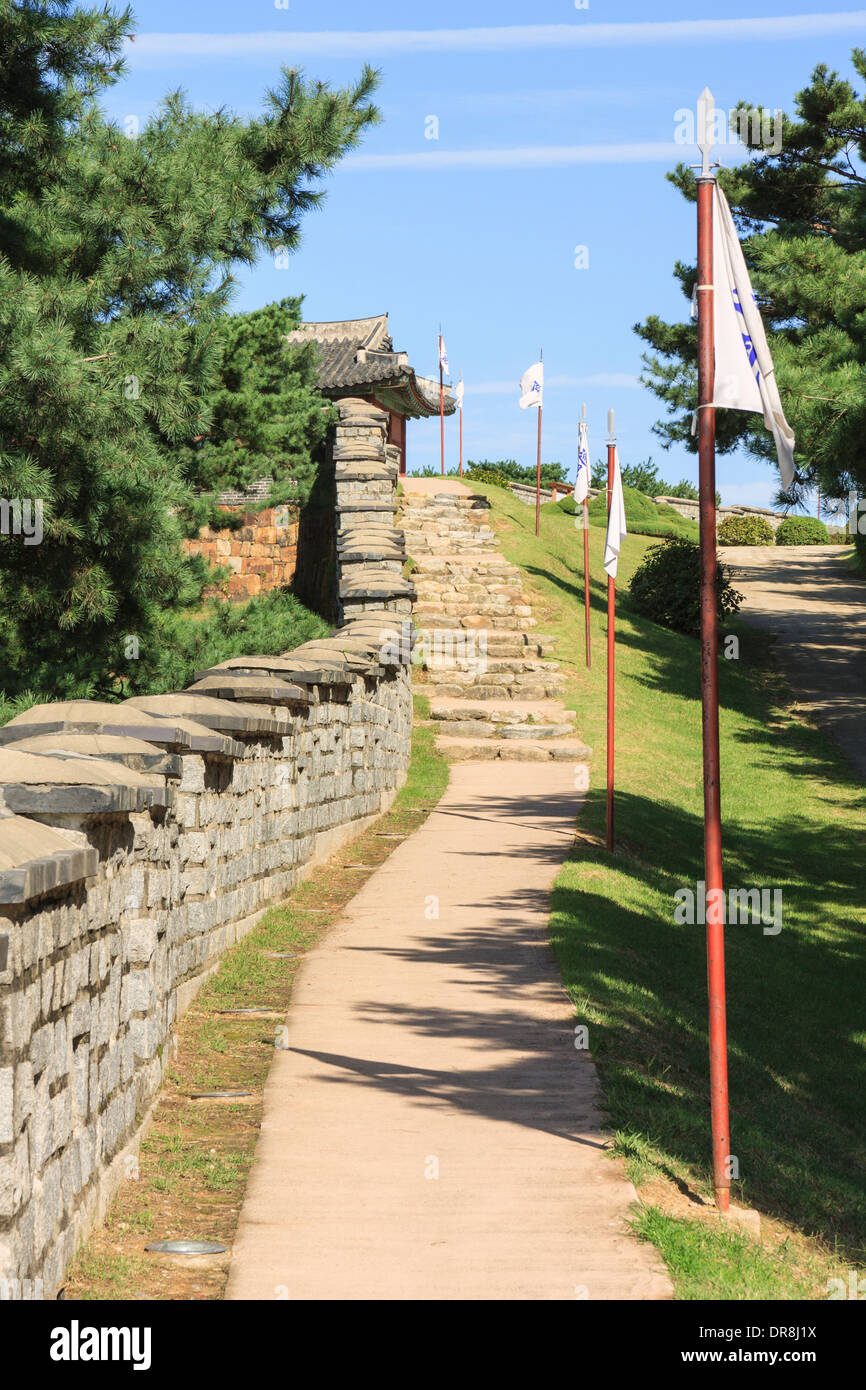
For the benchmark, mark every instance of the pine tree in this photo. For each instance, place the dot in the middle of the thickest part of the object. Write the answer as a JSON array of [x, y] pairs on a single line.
[[801, 214], [115, 275], [267, 417]]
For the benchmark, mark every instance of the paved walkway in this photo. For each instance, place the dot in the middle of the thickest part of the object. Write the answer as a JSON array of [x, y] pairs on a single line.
[[432, 1133], [810, 599], [430, 486]]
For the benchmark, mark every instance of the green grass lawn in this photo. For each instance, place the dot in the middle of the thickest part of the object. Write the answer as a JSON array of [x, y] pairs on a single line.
[[794, 819]]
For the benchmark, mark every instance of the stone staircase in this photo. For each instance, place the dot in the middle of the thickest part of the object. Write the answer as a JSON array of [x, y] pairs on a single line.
[[494, 691]]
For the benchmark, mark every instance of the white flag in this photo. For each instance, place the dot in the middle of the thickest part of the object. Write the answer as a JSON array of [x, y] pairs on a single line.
[[532, 386], [458, 393], [616, 527], [581, 481], [443, 357], [745, 379]]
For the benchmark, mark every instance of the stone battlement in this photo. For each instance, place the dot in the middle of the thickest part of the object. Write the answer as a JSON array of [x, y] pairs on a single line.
[[139, 841]]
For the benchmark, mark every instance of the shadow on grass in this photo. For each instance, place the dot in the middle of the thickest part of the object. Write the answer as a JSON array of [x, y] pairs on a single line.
[[795, 1007]]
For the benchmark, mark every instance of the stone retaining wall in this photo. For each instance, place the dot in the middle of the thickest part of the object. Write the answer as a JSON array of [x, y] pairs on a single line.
[[260, 555], [687, 507], [138, 841]]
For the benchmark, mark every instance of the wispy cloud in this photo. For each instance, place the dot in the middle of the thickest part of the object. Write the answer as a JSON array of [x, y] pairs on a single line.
[[517, 157], [613, 380], [375, 44]]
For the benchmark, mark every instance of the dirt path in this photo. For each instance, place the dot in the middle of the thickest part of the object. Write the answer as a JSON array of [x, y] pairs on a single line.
[[813, 603], [432, 1131]]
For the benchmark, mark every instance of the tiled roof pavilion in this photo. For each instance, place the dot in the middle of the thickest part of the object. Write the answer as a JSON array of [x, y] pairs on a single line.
[[357, 358]]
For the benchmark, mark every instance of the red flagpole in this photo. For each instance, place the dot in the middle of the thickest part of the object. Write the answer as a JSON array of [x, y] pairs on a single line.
[[538, 467], [538, 478], [710, 697], [586, 574], [441, 406], [611, 641], [461, 439], [585, 547]]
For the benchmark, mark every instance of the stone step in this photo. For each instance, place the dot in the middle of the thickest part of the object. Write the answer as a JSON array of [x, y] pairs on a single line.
[[513, 646], [419, 547], [512, 712], [490, 622], [485, 750], [459, 685], [496, 666], [464, 559], [480, 728], [474, 608], [466, 595], [462, 528]]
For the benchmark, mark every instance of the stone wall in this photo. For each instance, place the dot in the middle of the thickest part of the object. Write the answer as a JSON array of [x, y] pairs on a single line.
[[261, 554], [138, 841], [691, 509], [525, 492]]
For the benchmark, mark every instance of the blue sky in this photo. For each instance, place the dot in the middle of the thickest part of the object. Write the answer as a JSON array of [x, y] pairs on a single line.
[[556, 124]]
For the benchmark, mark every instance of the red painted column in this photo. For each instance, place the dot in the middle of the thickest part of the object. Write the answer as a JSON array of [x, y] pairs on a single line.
[[586, 575], [611, 659], [715, 915]]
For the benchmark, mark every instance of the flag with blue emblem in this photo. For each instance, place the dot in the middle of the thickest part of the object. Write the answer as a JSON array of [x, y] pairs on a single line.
[[532, 386], [745, 378], [581, 481], [616, 527], [443, 357]]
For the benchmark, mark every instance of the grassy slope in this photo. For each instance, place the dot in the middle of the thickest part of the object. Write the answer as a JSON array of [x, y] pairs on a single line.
[[794, 818]]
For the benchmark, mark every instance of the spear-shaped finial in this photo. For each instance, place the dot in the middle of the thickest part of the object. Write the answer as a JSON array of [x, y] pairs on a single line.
[[706, 132]]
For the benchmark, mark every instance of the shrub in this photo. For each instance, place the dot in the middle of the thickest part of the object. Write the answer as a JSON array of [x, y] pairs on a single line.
[[515, 472], [272, 622], [802, 530], [481, 473], [666, 587], [745, 530]]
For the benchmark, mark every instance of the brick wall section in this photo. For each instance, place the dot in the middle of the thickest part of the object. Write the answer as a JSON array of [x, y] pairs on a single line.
[[139, 841], [262, 554]]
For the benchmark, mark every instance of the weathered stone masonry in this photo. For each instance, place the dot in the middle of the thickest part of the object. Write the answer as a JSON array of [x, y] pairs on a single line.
[[138, 841]]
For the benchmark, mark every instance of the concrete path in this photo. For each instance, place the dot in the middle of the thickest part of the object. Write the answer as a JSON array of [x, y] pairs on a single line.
[[810, 599], [411, 483], [433, 1133]]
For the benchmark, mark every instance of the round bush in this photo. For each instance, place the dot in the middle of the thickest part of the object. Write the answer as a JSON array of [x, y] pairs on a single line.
[[745, 530], [491, 476], [644, 517], [802, 530], [666, 587]]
